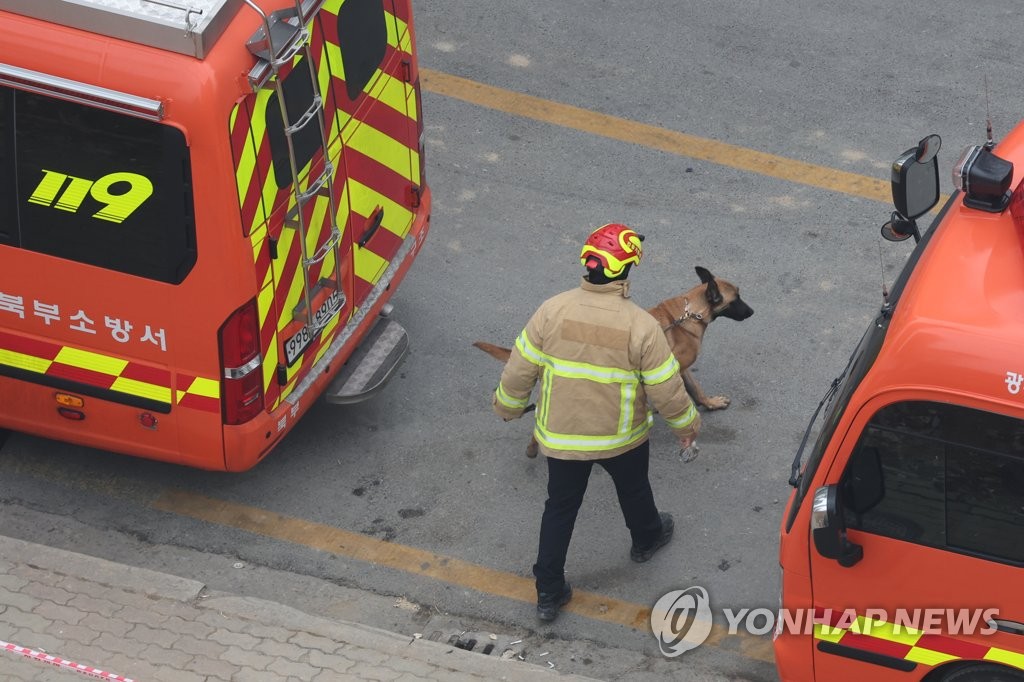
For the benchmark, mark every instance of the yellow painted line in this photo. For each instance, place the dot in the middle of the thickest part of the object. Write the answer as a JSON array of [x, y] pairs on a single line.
[[665, 140], [428, 564]]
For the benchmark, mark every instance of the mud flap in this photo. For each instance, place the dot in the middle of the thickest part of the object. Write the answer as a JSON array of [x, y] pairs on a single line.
[[371, 365]]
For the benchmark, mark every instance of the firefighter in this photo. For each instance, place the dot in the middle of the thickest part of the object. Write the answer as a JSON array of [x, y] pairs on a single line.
[[600, 358]]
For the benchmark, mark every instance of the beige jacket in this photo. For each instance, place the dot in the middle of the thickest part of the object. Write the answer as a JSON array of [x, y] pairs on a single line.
[[600, 358]]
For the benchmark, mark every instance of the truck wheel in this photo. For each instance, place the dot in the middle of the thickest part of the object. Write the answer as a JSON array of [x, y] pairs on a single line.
[[983, 672]]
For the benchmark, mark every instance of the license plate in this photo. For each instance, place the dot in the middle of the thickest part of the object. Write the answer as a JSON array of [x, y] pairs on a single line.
[[300, 341]]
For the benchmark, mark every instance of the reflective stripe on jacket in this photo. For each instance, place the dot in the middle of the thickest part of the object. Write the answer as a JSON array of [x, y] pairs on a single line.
[[599, 358]]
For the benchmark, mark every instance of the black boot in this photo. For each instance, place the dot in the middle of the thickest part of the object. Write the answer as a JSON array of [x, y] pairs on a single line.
[[549, 603], [642, 554]]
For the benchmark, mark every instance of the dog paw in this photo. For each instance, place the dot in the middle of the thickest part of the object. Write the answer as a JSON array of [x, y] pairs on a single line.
[[718, 402]]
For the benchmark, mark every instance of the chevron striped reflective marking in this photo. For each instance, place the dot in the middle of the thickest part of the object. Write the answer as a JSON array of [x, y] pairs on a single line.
[[374, 150], [108, 372], [888, 639]]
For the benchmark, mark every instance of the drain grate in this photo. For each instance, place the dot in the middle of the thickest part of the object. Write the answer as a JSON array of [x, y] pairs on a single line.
[[488, 643]]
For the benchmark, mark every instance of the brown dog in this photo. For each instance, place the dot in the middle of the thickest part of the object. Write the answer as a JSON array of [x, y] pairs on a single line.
[[684, 320]]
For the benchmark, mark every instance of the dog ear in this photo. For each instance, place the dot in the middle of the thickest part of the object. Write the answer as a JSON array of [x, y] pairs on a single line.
[[713, 295]]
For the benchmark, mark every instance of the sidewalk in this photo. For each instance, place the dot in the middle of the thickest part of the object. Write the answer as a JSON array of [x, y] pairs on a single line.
[[60, 609]]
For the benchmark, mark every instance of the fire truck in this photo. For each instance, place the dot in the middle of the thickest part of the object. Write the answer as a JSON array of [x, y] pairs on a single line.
[[904, 534], [205, 207]]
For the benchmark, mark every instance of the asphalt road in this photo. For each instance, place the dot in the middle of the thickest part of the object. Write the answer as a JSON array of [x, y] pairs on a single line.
[[799, 90]]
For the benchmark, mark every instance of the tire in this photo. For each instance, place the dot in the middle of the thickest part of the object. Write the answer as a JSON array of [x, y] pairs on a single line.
[[982, 672]]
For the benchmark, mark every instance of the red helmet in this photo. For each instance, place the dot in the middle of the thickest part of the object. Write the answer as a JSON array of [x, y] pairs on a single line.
[[614, 246]]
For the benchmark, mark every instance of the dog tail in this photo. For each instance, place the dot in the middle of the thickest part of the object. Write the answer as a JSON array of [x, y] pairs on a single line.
[[496, 352]]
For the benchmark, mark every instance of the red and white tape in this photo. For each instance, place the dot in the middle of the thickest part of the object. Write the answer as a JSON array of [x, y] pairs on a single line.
[[61, 663]]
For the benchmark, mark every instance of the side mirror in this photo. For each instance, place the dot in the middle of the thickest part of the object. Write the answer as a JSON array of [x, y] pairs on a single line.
[[829, 530], [915, 188]]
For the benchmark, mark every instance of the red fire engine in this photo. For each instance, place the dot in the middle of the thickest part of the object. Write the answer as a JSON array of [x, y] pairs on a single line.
[[205, 207]]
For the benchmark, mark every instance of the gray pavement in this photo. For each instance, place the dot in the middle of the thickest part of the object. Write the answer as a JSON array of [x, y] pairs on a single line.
[[119, 622]]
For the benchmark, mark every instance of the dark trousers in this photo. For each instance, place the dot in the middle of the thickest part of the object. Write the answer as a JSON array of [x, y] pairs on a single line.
[[567, 482]]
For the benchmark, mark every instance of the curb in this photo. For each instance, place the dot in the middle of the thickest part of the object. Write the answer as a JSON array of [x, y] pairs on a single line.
[[193, 593], [109, 573]]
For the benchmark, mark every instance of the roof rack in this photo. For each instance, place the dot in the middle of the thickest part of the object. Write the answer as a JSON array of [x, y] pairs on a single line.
[[189, 27]]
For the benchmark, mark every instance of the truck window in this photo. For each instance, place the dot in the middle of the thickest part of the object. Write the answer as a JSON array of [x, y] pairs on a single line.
[[298, 98], [953, 479], [363, 38], [95, 186]]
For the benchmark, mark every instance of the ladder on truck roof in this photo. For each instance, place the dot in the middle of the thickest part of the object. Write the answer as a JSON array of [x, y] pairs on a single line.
[[189, 27], [282, 37]]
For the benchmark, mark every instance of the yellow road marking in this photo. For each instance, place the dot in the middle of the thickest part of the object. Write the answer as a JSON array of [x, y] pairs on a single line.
[[654, 137], [428, 564]]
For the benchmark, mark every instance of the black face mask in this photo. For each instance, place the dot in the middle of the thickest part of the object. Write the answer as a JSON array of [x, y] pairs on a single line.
[[597, 276]]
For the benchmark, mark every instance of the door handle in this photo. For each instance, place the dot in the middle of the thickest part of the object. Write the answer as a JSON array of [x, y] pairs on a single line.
[[378, 218], [1011, 627]]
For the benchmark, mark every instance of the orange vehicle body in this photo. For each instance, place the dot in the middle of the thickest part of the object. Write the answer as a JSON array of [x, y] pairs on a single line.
[[206, 357], [933, 392]]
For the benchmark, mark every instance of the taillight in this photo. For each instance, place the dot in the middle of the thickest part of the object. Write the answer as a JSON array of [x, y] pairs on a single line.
[[240, 360]]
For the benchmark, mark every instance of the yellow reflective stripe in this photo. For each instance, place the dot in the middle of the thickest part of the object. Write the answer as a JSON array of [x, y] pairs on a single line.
[[246, 169], [368, 265], [326, 335], [583, 370], [288, 241], [410, 102], [1007, 657], [927, 656], [573, 370], [317, 223], [91, 361], [390, 19], [365, 200], [908, 636], [405, 38], [143, 389], [685, 419], [661, 373], [342, 206], [546, 381], [295, 290], [205, 387], [564, 441], [414, 153], [508, 401], [258, 130], [627, 398], [270, 366], [828, 633], [528, 350], [258, 122], [337, 64], [887, 631], [392, 92], [381, 148], [285, 241], [265, 301], [415, 168], [323, 73], [21, 361]]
